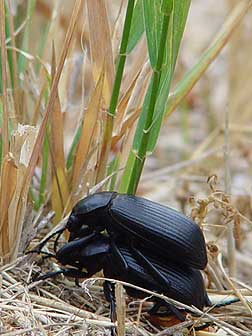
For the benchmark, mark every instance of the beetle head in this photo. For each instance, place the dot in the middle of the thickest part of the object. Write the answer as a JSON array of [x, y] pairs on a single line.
[[69, 253], [85, 253], [89, 212]]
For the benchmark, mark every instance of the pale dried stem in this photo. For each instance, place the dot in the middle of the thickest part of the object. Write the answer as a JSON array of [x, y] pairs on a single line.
[[230, 226], [4, 80], [237, 292]]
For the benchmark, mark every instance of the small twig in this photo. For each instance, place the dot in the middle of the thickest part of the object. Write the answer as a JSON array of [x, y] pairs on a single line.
[[237, 292], [173, 329], [230, 225]]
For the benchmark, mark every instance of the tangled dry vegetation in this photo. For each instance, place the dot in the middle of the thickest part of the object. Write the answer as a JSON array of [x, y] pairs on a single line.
[[208, 136], [58, 307]]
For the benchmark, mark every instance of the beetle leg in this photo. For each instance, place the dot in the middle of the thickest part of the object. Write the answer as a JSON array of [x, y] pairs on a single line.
[[82, 232], [71, 272], [170, 308], [46, 255], [77, 244], [120, 260], [109, 292], [155, 273], [158, 276], [155, 308]]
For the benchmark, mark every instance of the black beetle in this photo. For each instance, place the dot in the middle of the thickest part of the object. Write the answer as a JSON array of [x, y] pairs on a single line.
[[163, 230], [98, 252]]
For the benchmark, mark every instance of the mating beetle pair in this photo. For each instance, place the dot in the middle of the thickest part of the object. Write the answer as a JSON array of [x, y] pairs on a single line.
[[163, 230], [137, 241]]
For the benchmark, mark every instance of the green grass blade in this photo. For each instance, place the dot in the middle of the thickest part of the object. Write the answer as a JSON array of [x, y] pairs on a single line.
[[153, 25], [1, 84], [177, 25], [134, 165], [113, 166], [128, 173], [211, 53], [9, 52], [163, 47], [137, 26], [1, 123], [121, 58], [71, 153], [178, 21], [107, 136], [42, 45], [26, 36]]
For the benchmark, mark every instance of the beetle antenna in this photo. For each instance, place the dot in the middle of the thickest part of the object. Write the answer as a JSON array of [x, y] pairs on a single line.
[[39, 247], [69, 272], [55, 245], [46, 255]]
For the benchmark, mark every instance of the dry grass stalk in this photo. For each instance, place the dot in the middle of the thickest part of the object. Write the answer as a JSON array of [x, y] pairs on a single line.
[[22, 143], [13, 205], [25, 153], [230, 226], [15, 69], [4, 80], [100, 45], [53, 93], [15, 298], [230, 283], [129, 107], [60, 190], [53, 313], [87, 134], [121, 110], [8, 186], [120, 309], [102, 57]]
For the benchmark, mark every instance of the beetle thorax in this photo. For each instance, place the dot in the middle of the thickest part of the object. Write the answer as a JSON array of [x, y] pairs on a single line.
[[92, 211]]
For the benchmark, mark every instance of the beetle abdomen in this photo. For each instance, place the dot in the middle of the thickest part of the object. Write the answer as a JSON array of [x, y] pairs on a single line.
[[170, 233], [186, 284]]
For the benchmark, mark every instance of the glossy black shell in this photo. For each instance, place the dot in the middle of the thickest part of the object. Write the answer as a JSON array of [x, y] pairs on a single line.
[[168, 231], [91, 210], [163, 230], [186, 284]]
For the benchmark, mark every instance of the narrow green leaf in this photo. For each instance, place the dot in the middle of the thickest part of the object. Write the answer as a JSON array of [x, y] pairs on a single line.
[[143, 117], [178, 20], [128, 172], [167, 6], [107, 135], [137, 26], [42, 44], [26, 36], [1, 84], [121, 58], [153, 26], [72, 151], [1, 137], [221, 39], [9, 53], [113, 166], [141, 138], [164, 25]]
